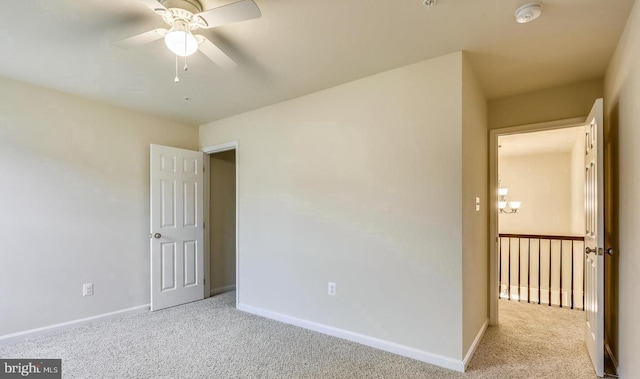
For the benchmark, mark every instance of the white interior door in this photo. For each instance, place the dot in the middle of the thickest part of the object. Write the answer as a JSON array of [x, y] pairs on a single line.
[[594, 237], [177, 259]]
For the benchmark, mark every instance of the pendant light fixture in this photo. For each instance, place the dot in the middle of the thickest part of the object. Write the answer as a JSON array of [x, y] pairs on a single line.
[[505, 206]]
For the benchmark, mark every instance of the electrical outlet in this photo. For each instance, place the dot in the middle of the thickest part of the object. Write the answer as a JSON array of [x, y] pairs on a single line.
[[87, 289], [331, 289]]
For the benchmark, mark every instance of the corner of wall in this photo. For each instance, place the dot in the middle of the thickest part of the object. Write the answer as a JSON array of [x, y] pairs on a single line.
[[475, 223]]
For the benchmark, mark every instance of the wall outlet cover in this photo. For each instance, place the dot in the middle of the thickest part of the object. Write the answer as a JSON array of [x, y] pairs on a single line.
[[331, 289], [87, 289]]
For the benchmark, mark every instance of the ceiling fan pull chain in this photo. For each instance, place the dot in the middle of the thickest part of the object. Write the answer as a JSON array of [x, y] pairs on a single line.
[[185, 49], [176, 80]]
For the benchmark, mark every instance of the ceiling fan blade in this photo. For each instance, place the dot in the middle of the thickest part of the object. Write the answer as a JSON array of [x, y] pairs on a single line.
[[230, 13], [153, 4], [214, 53], [143, 38]]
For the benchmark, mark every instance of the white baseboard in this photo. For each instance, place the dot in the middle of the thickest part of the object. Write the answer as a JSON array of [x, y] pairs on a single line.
[[475, 344], [219, 290], [607, 349], [391, 347], [15, 337]]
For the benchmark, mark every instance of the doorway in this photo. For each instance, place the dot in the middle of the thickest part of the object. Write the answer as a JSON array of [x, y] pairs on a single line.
[[496, 289], [592, 242], [221, 221], [541, 217], [539, 182]]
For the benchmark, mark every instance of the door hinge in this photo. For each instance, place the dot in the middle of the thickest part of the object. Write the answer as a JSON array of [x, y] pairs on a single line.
[[204, 281], [204, 225], [202, 168]]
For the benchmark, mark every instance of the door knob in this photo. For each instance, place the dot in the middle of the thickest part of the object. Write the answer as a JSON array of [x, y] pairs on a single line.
[[598, 251], [157, 235]]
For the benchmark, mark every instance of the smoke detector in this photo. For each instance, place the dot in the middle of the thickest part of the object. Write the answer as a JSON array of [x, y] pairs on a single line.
[[528, 12]]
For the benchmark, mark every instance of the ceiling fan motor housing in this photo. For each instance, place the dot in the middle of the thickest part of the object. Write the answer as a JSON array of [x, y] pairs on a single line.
[[182, 11], [191, 6]]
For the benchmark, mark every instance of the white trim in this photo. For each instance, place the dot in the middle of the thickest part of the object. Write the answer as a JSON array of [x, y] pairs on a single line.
[[232, 145], [220, 147], [493, 196], [219, 290], [391, 347], [206, 187], [15, 337], [540, 126], [474, 345], [607, 349]]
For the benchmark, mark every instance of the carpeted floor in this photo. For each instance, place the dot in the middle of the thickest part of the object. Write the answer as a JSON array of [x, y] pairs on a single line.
[[211, 339]]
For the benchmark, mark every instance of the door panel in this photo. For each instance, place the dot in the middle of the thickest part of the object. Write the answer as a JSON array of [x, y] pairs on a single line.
[[177, 257], [594, 238], [190, 194], [168, 203], [190, 266], [168, 270]]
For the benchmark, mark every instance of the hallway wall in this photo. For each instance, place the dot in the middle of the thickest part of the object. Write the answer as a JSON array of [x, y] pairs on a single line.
[[543, 183]]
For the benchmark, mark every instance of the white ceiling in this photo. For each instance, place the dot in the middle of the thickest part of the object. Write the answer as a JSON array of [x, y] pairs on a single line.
[[299, 47], [548, 141]]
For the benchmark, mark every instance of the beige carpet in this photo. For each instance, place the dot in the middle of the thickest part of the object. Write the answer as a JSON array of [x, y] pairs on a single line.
[[211, 339], [533, 341]]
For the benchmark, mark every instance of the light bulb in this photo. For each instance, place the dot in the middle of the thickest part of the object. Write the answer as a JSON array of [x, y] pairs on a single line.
[[180, 40], [503, 191], [502, 204], [514, 204]]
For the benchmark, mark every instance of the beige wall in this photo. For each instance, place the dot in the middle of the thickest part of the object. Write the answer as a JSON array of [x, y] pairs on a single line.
[[75, 204], [360, 185], [543, 182], [574, 100], [622, 204], [222, 175], [475, 182]]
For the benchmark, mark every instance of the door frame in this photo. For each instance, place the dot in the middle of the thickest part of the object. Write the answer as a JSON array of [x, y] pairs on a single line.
[[208, 150], [493, 195]]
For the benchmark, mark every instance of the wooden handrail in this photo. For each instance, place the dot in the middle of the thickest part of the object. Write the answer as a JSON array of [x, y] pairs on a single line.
[[542, 237]]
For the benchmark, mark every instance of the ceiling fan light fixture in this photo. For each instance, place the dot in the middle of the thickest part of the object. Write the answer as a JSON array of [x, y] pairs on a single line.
[[180, 40], [528, 12]]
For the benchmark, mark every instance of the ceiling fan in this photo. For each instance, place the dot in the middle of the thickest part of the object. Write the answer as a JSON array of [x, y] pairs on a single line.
[[186, 16]]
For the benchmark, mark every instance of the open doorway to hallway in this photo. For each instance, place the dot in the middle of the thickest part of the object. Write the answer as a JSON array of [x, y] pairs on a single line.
[[594, 242], [542, 217], [541, 242], [222, 222]]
